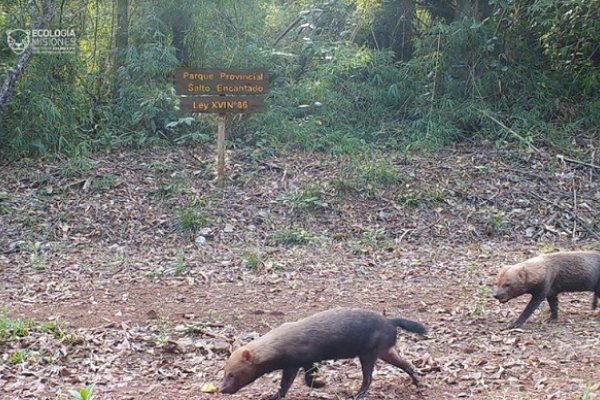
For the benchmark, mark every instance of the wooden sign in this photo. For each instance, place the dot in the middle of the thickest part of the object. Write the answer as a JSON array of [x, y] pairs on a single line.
[[223, 92], [223, 104], [218, 82]]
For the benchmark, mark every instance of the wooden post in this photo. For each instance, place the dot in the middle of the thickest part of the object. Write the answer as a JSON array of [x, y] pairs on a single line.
[[223, 92], [221, 150]]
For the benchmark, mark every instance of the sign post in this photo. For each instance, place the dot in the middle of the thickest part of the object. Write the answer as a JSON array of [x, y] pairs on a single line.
[[223, 92], [221, 150]]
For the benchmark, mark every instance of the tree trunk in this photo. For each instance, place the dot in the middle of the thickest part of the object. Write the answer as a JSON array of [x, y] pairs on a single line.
[[474, 9], [392, 27], [122, 33], [121, 40], [440, 9], [179, 27], [14, 75]]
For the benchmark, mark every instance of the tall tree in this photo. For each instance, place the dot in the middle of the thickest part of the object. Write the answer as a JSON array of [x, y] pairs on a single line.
[[17, 72], [121, 38], [391, 27], [475, 9], [178, 16], [440, 9]]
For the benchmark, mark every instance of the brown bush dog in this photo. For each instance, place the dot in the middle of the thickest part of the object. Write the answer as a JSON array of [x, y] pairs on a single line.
[[333, 334], [545, 276]]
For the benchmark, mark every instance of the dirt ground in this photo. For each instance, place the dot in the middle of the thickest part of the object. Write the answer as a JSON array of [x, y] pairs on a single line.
[[154, 274]]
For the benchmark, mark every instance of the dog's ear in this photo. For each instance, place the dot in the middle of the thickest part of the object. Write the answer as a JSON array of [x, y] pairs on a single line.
[[524, 276], [247, 355]]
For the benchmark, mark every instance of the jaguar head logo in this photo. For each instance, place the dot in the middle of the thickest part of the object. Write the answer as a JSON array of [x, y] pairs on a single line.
[[18, 40]]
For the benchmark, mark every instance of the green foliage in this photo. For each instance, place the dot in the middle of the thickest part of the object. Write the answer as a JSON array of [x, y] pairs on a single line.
[[409, 198], [483, 294], [76, 166], [253, 259], [569, 31], [181, 265], [11, 330], [468, 70], [17, 357], [165, 190], [373, 237], [146, 102], [293, 236], [412, 198], [86, 393], [307, 199], [5, 204], [192, 219], [356, 83], [588, 394], [168, 184], [506, 70], [373, 234], [15, 329], [367, 172], [104, 183], [44, 117], [53, 327], [37, 257], [37, 263], [495, 222]]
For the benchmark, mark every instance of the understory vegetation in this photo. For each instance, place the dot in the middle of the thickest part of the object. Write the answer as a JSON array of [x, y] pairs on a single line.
[[344, 74]]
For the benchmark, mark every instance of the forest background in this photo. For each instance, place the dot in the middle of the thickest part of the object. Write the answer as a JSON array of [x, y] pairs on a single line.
[[403, 74]]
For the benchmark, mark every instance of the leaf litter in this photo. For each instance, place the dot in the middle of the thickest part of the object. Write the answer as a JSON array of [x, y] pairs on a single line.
[[150, 311]]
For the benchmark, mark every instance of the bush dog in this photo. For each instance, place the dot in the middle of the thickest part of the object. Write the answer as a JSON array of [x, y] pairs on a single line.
[[333, 334], [545, 276]]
